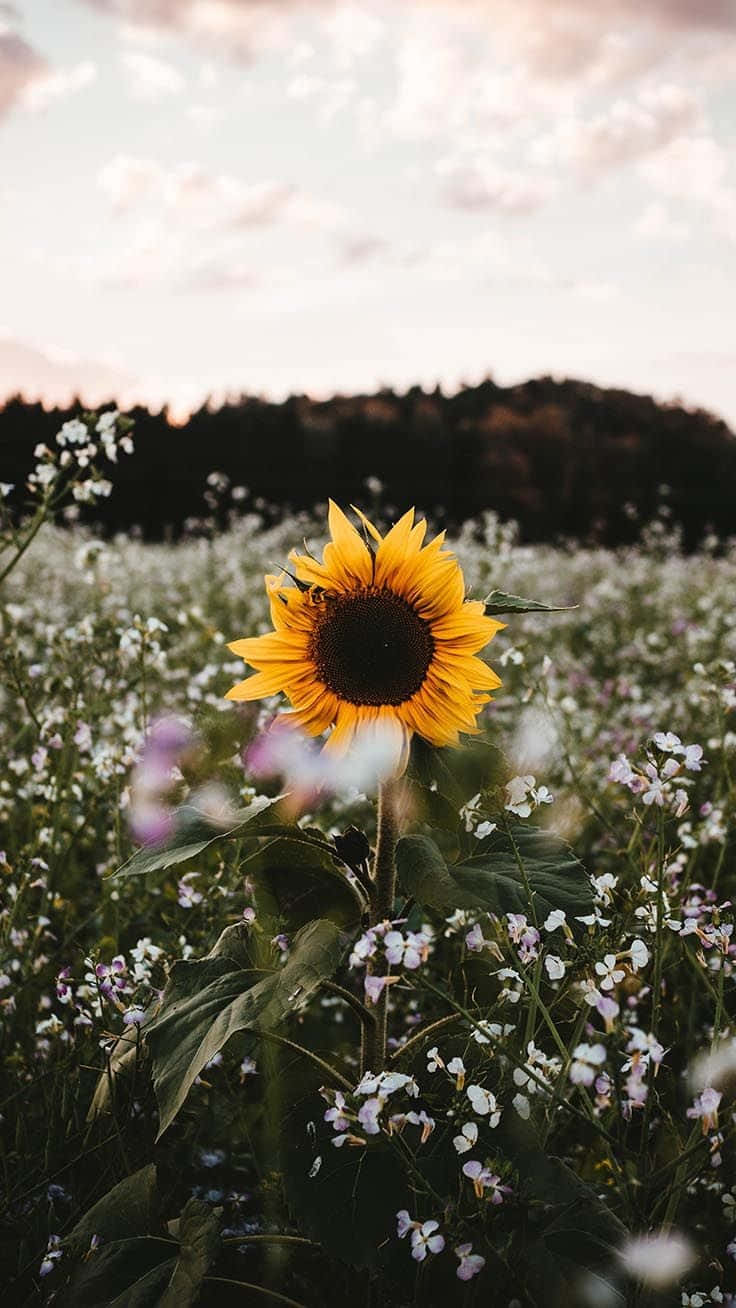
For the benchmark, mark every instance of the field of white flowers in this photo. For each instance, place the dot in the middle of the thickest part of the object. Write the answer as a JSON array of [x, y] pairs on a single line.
[[566, 1132]]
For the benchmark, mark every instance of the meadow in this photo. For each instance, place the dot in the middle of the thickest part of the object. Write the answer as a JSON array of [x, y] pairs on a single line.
[[554, 1122]]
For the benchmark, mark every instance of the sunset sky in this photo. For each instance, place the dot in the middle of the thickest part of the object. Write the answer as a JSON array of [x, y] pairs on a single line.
[[210, 196]]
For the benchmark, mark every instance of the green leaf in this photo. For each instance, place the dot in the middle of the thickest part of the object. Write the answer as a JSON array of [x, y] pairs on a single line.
[[499, 602], [199, 1247], [130, 1207], [574, 1234], [207, 1002], [299, 880], [492, 879], [123, 1274], [458, 774], [193, 833]]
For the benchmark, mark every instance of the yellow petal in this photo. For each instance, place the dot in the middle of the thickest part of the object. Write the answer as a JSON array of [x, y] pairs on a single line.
[[390, 553], [341, 737], [372, 531], [347, 557], [257, 686]]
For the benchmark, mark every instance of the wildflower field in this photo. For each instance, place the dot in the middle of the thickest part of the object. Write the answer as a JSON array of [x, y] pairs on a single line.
[[259, 1047]]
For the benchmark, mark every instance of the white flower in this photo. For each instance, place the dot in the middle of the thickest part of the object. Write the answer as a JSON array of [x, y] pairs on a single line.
[[655, 792], [522, 1106], [482, 830], [433, 1059], [555, 967], [484, 1102], [555, 919], [467, 1138], [693, 757], [639, 954], [621, 771], [456, 1068], [422, 1119], [423, 1239], [705, 1106], [608, 972], [668, 742], [586, 1060], [484, 1179], [517, 790]]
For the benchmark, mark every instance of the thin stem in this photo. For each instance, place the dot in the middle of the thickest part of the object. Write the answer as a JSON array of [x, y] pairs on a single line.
[[657, 981], [332, 1072], [424, 1034], [255, 1289], [36, 526], [383, 893], [496, 1045], [269, 1239], [365, 1015]]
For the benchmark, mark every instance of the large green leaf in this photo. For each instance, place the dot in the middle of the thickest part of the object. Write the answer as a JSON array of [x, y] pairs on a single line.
[[194, 832], [567, 1244], [299, 880], [457, 774], [129, 1208], [493, 878], [199, 1243], [128, 1273], [207, 1002], [498, 602]]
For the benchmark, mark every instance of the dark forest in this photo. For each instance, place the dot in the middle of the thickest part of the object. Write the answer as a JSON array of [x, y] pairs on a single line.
[[562, 458]]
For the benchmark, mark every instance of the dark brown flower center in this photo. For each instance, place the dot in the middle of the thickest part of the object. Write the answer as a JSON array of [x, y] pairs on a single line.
[[370, 647]]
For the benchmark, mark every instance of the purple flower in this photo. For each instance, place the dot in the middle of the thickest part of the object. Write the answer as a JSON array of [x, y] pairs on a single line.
[[470, 1264], [484, 1179]]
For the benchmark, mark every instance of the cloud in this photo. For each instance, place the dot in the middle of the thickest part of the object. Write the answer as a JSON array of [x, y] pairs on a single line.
[[126, 180], [187, 196], [150, 78], [695, 170], [238, 28], [657, 224], [187, 229], [20, 65], [483, 184], [693, 166], [627, 131], [55, 85], [56, 377]]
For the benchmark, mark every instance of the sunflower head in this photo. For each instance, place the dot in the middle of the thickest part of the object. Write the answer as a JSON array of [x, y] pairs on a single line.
[[378, 636]]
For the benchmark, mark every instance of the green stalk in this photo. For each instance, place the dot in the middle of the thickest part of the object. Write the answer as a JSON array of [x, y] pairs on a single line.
[[383, 893]]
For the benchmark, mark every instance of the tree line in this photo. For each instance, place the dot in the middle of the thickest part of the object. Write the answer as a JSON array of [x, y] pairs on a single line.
[[562, 458]]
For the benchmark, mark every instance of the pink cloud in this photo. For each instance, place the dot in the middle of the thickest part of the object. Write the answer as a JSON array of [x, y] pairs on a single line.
[[20, 66], [632, 129], [481, 184], [56, 377]]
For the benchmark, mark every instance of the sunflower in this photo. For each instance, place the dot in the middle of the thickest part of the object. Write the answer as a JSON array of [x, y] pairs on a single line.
[[378, 635]]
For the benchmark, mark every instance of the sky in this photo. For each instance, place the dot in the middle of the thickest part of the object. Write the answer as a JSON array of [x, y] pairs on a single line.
[[208, 197]]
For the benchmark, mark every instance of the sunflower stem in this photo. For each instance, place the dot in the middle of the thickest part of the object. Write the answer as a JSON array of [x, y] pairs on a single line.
[[383, 893]]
